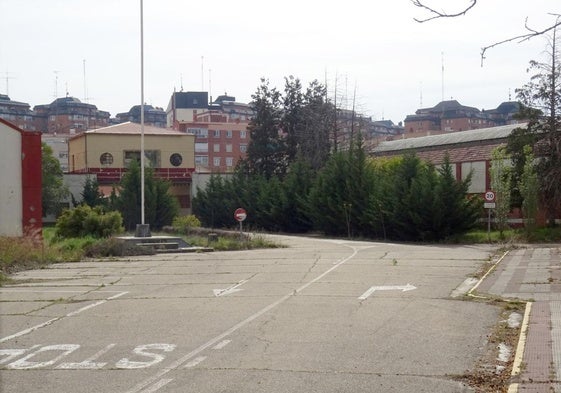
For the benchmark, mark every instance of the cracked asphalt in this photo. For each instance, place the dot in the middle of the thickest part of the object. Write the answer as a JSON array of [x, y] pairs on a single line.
[[276, 320]]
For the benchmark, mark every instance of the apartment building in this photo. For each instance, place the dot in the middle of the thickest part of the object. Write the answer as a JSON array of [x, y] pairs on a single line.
[[152, 116], [220, 128], [17, 113], [68, 115], [451, 116]]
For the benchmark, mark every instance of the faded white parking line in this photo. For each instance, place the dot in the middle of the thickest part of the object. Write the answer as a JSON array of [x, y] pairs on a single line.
[[50, 321]]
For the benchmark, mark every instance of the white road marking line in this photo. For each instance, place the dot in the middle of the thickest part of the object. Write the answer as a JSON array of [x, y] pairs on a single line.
[[49, 291], [179, 362], [195, 362], [50, 321], [222, 344], [160, 384]]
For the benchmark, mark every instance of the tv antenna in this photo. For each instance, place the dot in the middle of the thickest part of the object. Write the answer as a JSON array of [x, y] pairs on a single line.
[[7, 77]]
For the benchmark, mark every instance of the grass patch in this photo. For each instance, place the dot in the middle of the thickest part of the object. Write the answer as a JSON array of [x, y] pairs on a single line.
[[509, 236], [17, 254], [232, 242]]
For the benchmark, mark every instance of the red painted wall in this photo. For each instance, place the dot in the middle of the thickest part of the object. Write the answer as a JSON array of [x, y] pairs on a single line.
[[31, 183]]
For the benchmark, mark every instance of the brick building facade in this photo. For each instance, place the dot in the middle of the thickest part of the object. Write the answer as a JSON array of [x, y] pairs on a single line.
[[220, 128], [451, 116]]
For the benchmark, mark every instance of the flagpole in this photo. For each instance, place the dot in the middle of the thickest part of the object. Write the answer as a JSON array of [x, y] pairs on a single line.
[[142, 220]]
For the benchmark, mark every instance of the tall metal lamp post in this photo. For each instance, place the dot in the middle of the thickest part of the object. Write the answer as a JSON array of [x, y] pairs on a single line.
[[142, 229]]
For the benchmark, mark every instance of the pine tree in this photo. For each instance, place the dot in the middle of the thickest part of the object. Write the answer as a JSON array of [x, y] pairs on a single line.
[[267, 152]]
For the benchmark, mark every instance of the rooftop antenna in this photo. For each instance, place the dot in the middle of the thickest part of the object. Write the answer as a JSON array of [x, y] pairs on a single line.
[[202, 74], [181, 79], [85, 86], [210, 84], [56, 84], [442, 55], [8, 77]]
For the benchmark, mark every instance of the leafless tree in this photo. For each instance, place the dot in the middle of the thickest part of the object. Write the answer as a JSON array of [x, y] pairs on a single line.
[[529, 33]]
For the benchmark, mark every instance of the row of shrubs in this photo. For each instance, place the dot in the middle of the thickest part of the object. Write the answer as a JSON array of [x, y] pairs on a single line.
[[85, 221]]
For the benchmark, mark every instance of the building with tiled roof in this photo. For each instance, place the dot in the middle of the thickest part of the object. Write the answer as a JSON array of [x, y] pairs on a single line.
[[152, 116], [107, 153], [451, 116], [68, 115], [17, 113]]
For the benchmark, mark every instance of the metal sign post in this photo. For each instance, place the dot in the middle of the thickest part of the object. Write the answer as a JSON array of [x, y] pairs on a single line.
[[240, 215], [489, 204]]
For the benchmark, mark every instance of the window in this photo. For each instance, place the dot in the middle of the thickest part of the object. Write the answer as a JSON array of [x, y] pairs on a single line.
[[243, 134], [217, 133], [201, 147], [229, 147], [201, 160], [175, 159], [217, 147], [229, 162], [243, 148], [200, 132], [216, 161], [229, 134], [151, 158], [106, 159]]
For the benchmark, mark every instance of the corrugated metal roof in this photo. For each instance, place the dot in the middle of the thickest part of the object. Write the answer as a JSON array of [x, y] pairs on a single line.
[[481, 134]]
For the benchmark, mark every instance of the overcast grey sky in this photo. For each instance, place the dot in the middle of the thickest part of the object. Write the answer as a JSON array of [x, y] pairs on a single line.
[[375, 46]]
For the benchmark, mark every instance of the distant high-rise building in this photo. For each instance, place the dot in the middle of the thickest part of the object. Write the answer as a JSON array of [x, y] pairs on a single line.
[[69, 115], [220, 128], [451, 116], [17, 113]]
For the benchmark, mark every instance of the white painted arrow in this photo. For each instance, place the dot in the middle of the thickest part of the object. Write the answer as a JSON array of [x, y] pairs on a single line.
[[228, 291], [402, 288]]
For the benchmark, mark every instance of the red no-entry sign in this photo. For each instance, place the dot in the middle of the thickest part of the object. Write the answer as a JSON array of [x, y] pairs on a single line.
[[240, 214]]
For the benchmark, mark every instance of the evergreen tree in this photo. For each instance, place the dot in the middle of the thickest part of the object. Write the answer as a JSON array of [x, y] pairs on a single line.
[[91, 195], [159, 206], [292, 118], [267, 152], [52, 184], [211, 204]]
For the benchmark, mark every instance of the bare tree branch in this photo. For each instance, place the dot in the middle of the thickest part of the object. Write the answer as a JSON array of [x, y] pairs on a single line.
[[523, 37], [440, 14], [531, 33]]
